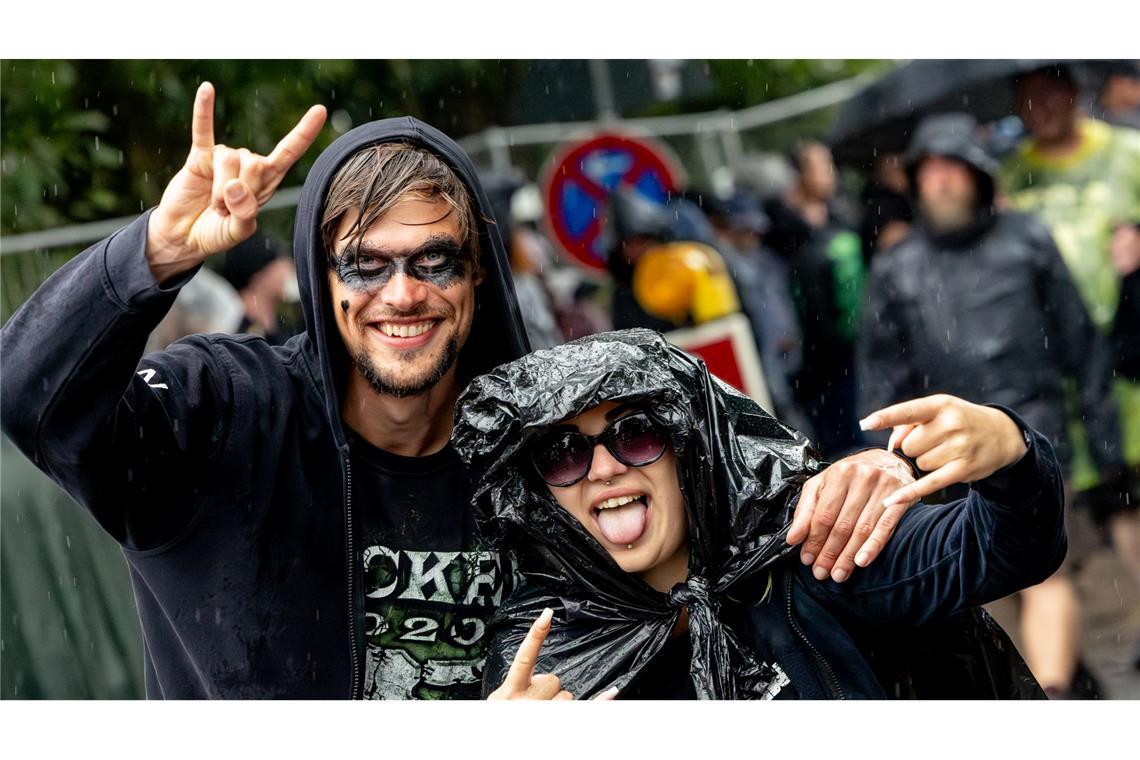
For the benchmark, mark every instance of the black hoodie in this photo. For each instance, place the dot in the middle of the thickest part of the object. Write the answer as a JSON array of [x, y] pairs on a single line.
[[987, 312], [221, 464]]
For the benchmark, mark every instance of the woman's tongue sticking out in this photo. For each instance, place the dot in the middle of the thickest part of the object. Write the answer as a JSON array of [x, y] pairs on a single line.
[[624, 524]]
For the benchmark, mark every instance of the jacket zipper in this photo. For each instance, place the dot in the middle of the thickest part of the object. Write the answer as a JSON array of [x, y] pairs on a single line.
[[354, 650], [832, 681]]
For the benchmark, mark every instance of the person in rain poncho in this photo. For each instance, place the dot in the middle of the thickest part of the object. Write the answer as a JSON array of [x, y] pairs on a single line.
[[933, 304], [648, 505]]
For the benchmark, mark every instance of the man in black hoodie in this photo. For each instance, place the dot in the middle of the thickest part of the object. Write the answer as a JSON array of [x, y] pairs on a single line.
[[294, 519], [978, 303]]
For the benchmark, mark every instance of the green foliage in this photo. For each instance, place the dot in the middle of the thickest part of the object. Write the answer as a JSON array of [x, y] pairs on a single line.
[[87, 140], [743, 83]]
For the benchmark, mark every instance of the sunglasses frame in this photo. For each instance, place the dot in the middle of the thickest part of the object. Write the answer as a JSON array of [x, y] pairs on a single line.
[[606, 438]]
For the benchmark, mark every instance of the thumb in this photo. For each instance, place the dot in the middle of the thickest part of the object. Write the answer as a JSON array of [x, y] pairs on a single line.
[[242, 205], [240, 200]]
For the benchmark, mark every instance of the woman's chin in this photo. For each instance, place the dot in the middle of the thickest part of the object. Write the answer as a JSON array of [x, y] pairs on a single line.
[[630, 562]]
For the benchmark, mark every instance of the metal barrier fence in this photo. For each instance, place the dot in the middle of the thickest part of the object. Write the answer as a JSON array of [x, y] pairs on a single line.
[[709, 145]]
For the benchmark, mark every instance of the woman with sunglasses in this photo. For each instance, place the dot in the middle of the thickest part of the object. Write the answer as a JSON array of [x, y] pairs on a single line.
[[648, 504]]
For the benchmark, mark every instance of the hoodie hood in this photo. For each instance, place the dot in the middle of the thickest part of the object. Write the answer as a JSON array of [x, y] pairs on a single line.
[[497, 333], [954, 135], [739, 469]]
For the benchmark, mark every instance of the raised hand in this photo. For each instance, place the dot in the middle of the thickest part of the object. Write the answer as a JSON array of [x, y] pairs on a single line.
[[521, 681], [950, 439], [212, 203]]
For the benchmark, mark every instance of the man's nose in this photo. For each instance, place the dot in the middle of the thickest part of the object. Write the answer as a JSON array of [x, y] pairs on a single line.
[[604, 466], [402, 292]]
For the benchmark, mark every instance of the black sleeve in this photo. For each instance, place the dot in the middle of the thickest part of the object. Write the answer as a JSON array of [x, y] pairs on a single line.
[[1006, 535], [127, 439]]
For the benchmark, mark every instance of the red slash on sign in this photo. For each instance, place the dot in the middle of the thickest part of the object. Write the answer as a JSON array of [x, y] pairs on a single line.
[[583, 175]]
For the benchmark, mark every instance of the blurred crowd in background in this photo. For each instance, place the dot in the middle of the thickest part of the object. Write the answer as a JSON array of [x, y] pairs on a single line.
[[997, 259]]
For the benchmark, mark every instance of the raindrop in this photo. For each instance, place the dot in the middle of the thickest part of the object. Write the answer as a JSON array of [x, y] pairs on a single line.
[[341, 121]]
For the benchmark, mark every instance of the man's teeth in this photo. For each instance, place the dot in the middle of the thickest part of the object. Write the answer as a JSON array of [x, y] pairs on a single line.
[[394, 330], [618, 501]]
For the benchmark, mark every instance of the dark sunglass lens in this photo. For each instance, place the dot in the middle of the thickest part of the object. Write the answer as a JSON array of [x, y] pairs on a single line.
[[563, 459], [638, 440]]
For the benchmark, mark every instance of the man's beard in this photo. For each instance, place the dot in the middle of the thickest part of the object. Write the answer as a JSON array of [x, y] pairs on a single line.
[[388, 385], [947, 217]]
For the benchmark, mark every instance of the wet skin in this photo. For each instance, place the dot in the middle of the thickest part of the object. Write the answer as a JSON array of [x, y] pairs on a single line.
[[660, 555], [407, 270]]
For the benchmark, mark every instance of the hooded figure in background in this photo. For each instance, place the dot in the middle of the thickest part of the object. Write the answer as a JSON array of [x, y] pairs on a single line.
[[759, 625], [978, 303]]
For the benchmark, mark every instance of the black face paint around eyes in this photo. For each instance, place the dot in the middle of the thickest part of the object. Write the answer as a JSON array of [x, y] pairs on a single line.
[[448, 269], [369, 273]]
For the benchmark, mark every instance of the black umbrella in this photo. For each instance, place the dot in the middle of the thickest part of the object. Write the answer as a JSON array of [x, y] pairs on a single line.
[[881, 117]]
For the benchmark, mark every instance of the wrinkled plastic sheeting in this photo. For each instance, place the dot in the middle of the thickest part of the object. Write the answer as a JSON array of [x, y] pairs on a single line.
[[740, 472]]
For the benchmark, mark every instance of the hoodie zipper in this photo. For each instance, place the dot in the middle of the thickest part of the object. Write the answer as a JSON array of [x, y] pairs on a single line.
[[354, 649], [832, 681]]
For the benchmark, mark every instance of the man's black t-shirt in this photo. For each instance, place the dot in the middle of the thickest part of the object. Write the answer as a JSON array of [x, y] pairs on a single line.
[[430, 588]]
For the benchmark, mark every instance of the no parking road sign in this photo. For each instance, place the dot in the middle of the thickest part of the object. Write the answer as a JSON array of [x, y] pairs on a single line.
[[581, 179]]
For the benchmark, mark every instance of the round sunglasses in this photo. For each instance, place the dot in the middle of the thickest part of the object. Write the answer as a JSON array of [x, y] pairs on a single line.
[[563, 457]]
